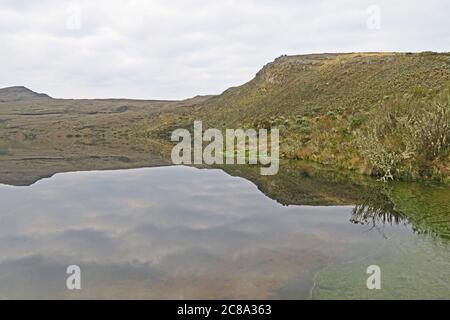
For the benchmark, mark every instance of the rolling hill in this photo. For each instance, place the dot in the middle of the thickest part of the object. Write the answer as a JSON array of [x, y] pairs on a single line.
[[20, 93], [382, 114], [336, 109]]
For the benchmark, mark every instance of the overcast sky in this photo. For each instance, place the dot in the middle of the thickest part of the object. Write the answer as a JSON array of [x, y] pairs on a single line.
[[175, 49]]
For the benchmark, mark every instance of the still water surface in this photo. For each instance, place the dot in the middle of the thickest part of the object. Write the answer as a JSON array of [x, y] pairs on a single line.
[[186, 233]]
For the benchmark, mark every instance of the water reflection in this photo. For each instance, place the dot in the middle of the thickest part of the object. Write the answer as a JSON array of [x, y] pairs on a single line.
[[175, 232], [376, 209], [428, 213]]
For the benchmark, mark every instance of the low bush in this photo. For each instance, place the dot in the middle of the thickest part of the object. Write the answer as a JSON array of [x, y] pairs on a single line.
[[406, 136]]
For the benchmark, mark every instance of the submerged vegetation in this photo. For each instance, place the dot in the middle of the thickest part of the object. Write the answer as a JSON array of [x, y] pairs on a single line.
[[423, 207]]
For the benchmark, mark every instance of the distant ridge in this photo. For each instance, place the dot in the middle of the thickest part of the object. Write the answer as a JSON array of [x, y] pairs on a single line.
[[20, 93]]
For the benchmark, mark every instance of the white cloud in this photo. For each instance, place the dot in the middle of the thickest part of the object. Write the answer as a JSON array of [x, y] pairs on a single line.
[[179, 48]]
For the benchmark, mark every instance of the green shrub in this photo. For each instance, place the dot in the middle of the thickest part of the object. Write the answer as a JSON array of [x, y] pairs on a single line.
[[406, 135], [355, 123]]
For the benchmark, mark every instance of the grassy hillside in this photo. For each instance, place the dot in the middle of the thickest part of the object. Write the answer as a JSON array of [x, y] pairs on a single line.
[[324, 106], [383, 114]]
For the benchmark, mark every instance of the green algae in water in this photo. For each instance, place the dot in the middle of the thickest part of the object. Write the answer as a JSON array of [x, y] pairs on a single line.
[[414, 265], [410, 269], [427, 206]]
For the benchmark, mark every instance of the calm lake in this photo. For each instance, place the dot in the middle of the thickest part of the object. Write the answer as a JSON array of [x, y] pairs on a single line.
[[188, 233]]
